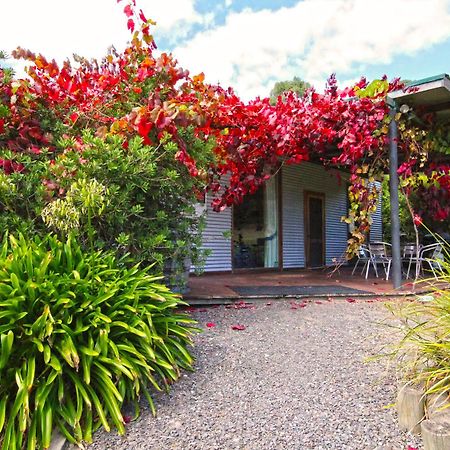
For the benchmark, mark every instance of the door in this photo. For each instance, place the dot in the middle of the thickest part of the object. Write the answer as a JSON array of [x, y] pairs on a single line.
[[314, 229]]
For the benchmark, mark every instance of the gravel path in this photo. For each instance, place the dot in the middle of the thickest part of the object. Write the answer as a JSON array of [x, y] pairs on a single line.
[[293, 379]]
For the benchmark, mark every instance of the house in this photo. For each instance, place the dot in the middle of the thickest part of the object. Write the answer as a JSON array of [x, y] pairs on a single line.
[[294, 221]]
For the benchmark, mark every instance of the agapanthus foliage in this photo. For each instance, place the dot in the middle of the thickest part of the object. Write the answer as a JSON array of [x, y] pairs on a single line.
[[145, 94]]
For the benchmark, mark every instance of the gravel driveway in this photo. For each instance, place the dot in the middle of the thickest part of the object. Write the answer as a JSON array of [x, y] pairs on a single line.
[[292, 379]]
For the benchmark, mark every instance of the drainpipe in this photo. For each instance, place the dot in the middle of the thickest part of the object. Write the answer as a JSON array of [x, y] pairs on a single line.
[[393, 190]]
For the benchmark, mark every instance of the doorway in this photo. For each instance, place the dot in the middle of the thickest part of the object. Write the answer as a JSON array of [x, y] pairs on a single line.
[[314, 229], [255, 229]]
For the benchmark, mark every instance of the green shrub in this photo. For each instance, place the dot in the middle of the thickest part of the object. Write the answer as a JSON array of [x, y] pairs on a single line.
[[150, 208], [113, 194], [80, 334]]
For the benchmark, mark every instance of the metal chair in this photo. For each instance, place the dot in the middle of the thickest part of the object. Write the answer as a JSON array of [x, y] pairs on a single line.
[[378, 255], [433, 256], [364, 257], [410, 255]]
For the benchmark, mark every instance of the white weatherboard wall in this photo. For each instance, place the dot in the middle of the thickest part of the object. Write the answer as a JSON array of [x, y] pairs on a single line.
[[311, 177]]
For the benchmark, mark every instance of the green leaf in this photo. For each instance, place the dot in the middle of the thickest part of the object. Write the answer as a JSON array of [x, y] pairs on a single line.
[[6, 342], [3, 403]]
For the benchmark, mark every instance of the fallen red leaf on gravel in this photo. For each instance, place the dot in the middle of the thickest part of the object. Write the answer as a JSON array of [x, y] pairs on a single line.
[[318, 302], [369, 301], [411, 448], [127, 419], [295, 305], [238, 327], [240, 305], [351, 300], [210, 324]]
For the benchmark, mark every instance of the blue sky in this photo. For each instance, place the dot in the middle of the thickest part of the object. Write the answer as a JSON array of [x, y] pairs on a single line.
[[250, 44]]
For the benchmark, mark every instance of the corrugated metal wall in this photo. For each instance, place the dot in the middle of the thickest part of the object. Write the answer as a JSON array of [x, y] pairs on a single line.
[[312, 177], [292, 217], [214, 240], [376, 230]]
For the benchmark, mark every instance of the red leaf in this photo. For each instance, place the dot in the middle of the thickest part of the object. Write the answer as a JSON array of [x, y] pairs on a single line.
[[142, 17], [130, 25], [417, 220], [128, 11], [74, 117], [210, 324], [351, 300], [238, 327], [127, 419], [318, 302], [240, 305]]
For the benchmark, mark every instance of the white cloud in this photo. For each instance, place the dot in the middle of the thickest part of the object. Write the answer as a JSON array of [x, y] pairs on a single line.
[[312, 39], [175, 18], [357, 34], [251, 49], [58, 28]]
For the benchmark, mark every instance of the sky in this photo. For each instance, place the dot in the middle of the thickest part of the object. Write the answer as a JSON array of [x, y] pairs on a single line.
[[249, 44]]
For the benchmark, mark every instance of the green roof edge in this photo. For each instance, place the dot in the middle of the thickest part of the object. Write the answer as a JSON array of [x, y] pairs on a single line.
[[428, 80]]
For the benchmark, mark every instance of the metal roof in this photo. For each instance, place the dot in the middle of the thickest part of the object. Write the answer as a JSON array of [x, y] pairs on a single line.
[[431, 94]]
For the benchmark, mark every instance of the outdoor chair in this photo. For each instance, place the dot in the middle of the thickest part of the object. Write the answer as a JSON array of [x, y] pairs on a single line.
[[431, 257], [379, 256], [363, 256], [410, 255], [387, 247]]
